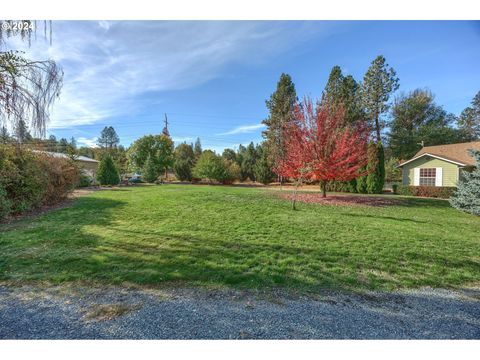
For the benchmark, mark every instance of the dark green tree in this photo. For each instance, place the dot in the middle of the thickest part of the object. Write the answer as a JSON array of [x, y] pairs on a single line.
[[467, 196], [150, 171], [248, 162], [379, 82], [280, 107], [108, 138], [184, 161], [263, 168], [376, 169], [159, 147], [416, 119], [107, 173], [229, 154], [197, 148], [469, 120]]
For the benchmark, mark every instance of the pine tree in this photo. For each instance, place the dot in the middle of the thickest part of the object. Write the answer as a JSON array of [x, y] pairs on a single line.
[[197, 149], [263, 168], [379, 82], [107, 173], [150, 171], [280, 106], [467, 196], [108, 138]]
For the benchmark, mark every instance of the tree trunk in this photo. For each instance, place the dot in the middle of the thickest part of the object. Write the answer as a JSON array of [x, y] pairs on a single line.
[[294, 200], [324, 189], [377, 128]]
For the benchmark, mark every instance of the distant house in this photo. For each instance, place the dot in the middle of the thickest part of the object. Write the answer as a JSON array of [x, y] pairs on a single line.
[[438, 165], [89, 166]]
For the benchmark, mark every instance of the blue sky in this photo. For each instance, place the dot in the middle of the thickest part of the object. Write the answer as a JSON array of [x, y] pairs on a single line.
[[212, 78]]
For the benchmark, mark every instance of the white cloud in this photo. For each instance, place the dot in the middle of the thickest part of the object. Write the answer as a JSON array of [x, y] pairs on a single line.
[[82, 141], [243, 129], [108, 64]]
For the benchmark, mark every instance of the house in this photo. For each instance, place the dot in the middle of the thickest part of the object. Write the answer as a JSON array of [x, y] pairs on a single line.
[[88, 165], [438, 165]]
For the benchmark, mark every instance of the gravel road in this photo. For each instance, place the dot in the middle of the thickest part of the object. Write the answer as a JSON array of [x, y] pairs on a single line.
[[120, 313]]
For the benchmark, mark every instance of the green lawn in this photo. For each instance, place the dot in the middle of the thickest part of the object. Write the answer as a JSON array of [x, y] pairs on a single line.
[[244, 237]]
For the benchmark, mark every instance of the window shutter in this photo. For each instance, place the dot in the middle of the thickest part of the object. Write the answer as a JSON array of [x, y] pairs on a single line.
[[439, 176], [416, 176]]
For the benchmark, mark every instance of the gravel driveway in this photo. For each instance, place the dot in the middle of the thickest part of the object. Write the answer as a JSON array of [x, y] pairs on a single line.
[[113, 313]]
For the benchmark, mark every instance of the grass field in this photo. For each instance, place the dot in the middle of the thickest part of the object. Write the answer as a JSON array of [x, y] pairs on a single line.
[[243, 237]]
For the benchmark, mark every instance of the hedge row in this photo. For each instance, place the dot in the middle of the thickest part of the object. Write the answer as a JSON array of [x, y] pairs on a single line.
[[29, 180], [426, 191]]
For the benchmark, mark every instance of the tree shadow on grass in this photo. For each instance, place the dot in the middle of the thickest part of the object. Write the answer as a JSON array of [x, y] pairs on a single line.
[[85, 243]]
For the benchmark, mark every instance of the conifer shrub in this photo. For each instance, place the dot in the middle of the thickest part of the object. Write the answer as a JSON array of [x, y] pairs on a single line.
[[107, 173], [467, 196]]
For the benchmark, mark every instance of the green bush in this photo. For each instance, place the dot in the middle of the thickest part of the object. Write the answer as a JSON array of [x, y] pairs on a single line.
[[84, 180], [467, 196], [107, 173], [150, 171], [31, 179], [395, 188], [213, 167], [184, 160], [426, 191]]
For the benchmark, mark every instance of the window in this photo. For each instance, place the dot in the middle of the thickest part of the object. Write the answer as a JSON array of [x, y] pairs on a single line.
[[427, 177]]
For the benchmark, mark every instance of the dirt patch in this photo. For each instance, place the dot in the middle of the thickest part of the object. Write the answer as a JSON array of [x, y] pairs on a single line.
[[350, 200], [109, 311]]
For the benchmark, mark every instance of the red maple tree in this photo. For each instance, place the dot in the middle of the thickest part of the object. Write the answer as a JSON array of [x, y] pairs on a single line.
[[320, 145]]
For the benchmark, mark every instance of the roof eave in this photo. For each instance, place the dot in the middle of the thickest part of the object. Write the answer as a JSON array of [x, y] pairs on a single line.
[[434, 156]]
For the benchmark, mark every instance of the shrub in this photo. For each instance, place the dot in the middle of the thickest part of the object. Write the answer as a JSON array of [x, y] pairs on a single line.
[[150, 171], [85, 180], [395, 188], [184, 160], [107, 173], [213, 167], [5, 203], [29, 180], [426, 191], [467, 196]]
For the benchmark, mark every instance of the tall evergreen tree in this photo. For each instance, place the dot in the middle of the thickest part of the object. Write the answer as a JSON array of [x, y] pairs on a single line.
[[379, 82], [197, 148], [469, 120], [376, 169], [263, 168], [280, 106], [108, 138], [249, 161], [467, 196], [343, 91]]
